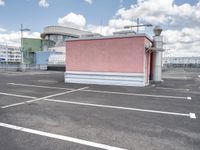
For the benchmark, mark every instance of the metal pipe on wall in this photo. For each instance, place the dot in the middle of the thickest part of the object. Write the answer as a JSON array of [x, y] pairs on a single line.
[[157, 55]]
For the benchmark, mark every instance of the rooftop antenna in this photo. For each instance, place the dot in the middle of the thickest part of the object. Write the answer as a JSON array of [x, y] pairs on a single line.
[[138, 25]]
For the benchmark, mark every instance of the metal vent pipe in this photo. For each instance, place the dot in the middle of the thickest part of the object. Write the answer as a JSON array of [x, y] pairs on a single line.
[[157, 55]]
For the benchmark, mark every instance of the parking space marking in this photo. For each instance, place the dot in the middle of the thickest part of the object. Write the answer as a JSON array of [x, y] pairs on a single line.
[[178, 78], [42, 98], [178, 89], [60, 137], [191, 115], [16, 95], [46, 87], [135, 94], [108, 92]]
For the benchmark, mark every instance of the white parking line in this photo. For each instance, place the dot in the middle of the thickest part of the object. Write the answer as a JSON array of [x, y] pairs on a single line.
[[16, 95], [178, 89], [46, 87], [191, 115], [108, 92], [60, 137], [38, 99], [135, 94], [178, 78]]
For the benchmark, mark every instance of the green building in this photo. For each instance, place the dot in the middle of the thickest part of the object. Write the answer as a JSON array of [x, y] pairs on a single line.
[[32, 45]]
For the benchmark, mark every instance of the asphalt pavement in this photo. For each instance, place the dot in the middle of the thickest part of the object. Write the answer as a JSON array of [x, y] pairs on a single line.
[[38, 111]]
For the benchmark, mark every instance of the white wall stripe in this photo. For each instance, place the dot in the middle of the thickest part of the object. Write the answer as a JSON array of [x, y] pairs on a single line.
[[60, 137]]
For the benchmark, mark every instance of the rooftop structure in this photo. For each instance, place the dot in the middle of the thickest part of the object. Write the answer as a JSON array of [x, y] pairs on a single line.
[[112, 60], [125, 58], [59, 34]]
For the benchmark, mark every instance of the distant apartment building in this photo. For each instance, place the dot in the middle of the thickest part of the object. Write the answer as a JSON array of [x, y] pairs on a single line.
[[181, 61], [10, 54]]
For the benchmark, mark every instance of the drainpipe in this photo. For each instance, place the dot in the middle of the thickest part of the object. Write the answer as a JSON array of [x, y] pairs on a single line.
[[157, 50]]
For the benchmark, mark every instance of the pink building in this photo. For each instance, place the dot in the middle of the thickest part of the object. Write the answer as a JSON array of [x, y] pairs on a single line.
[[115, 60]]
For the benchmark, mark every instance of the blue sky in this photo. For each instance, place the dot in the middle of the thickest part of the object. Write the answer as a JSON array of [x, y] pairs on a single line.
[[31, 15], [180, 19]]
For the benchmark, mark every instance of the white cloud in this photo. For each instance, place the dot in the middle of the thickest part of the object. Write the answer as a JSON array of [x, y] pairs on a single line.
[[104, 30], [73, 20], [162, 12], [2, 3], [89, 1], [113, 26], [120, 23], [2, 30], [151, 11], [184, 42], [43, 3], [181, 23], [13, 38]]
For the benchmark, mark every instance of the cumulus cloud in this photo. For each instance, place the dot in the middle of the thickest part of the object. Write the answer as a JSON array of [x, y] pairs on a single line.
[[2, 30], [43, 3], [151, 11], [89, 1], [2, 3], [13, 37], [73, 20], [162, 12], [181, 23], [184, 42], [112, 26]]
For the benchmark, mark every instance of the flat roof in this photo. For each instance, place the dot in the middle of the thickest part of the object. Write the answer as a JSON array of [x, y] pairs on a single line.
[[61, 30], [110, 37]]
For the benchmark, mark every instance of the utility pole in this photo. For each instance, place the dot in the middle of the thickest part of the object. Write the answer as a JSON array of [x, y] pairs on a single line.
[[22, 49]]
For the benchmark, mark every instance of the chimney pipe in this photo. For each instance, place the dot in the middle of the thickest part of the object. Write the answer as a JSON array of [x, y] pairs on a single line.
[[157, 55]]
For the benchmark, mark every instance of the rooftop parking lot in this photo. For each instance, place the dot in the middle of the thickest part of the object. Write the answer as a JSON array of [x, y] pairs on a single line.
[[38, 111]]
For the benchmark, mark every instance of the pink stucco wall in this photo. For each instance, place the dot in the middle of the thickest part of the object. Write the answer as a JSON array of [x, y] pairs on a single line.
[[124, 55]]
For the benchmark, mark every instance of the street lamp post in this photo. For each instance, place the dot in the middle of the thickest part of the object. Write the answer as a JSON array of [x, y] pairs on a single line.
[[22, 49]]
